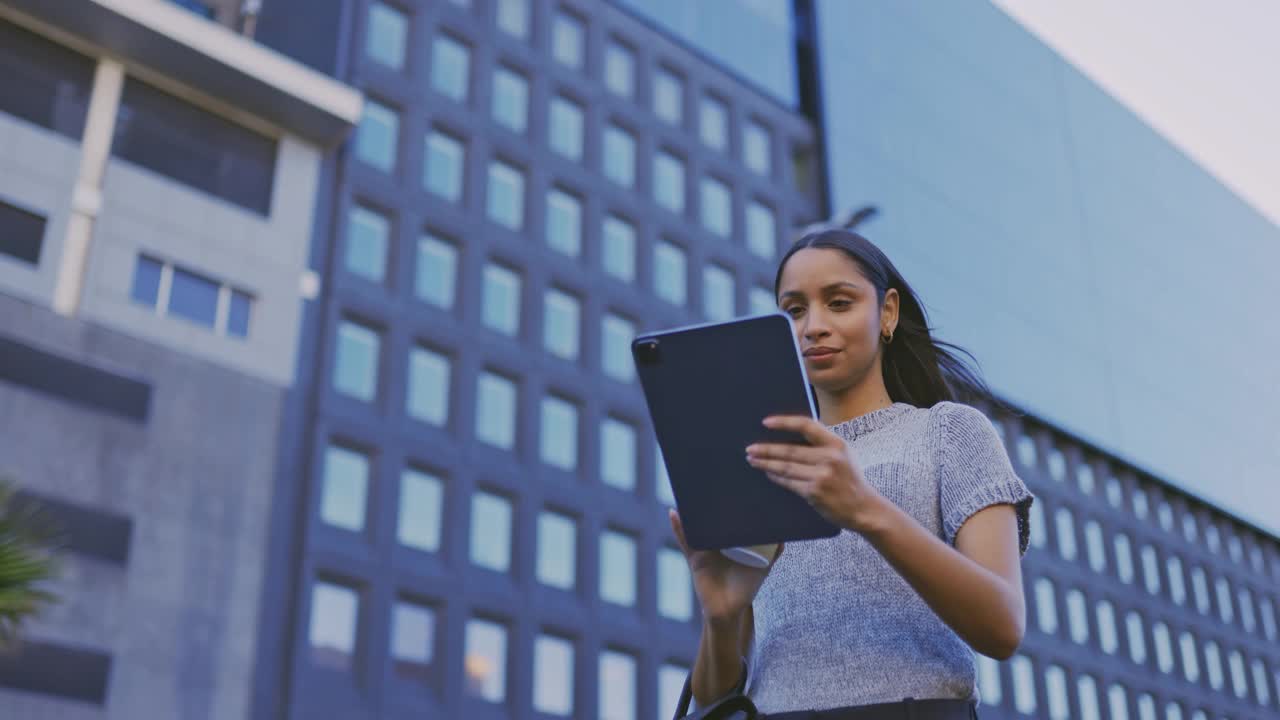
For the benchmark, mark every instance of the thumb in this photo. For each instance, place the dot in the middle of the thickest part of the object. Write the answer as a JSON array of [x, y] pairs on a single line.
[[678, 529]]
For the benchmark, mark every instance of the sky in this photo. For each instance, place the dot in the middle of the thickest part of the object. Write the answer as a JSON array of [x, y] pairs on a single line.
[[1201, 72]]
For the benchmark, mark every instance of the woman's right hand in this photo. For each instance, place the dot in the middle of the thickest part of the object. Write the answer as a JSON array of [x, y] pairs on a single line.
[[725, 588]]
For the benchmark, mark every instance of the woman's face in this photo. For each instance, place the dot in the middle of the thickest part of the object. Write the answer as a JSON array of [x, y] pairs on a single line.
[[836, 316]]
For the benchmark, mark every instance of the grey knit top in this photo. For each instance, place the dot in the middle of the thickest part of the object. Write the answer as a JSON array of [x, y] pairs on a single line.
[[835, 625]]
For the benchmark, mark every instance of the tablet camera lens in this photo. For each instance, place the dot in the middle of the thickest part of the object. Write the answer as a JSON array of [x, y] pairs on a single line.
[[647, 352]]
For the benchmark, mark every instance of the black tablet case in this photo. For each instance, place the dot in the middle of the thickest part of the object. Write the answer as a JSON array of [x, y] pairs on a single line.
[[708, 387]]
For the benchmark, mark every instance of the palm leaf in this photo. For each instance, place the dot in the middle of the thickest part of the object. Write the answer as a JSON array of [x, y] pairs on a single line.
[[26, 561]]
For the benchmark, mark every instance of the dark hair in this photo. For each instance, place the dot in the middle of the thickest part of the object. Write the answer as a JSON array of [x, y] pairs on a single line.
[[917, 369]]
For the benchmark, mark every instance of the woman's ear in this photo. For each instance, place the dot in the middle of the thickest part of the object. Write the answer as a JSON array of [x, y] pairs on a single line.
[[889, 312]]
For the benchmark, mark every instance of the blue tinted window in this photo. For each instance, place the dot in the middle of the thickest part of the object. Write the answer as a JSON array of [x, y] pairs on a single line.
[[238, 314], [146, 281], [193, 297], [385, 35]]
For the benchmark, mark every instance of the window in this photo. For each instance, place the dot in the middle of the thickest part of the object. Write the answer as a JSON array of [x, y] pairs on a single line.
[[565, 128], [1260, 689], [617, 568], [567, 40], [486, 660], [618, 454], [1164, 514], [553, 675], [428, 389], [564, 222], [1200, 588], [669, 280], [496, 411], [491, 532], [618, 254], [1115, 493], [500, 305], [1267, 612], [619, 156], [1245, 602], [377, 135], [450, 68], [617, 686], [510, 99], [1087, 690], [1118, 700], [384, 38], [1084, 478], [668, 182], [1164, 647], [1140, 507], [670, 683], [1094, 546], [762, 231], [662, 481], [1024, 685], [1239, 683], [332, 631], [1146, 707], [513, 17], [1066, 532], [1190, 664], [1055, 685], [505, 204], [435, 274], [619, 70], [559, 437], [48, 83], [988, 671], [1077, 617], [1057, 465], [1039, 536], [668, 96], [1137, 641], [413, 631], [1213, 664], [755, 149], [205, 151], [1212, 539], [1106, 617], [717, 293], [171, 290], [760, 301], [616, 361], [716, 207], [1224, 601], [443, 165], [420, 511], [1189, 527], [355, 367], [557, 550], [1150, 570], [346, 488], [675, 593], [1027, 451], [22, 234], [561, 318], [1046, 608], [1124, 558], [713, 123], [368, 235]]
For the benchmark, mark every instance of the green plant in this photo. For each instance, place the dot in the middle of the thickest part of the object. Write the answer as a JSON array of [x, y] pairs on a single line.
[[26, 561]]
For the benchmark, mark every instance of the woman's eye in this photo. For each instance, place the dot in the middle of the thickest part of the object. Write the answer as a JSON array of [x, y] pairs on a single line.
[[793, 310], [840, 303]]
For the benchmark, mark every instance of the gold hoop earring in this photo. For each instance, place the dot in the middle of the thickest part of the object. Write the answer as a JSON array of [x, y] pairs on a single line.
[[887, 339]]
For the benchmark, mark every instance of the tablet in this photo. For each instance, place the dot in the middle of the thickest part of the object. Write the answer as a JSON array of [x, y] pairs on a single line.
[[708, 387]]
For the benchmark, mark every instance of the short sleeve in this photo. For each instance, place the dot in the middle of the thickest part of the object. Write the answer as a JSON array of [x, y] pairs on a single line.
[[975, 471]]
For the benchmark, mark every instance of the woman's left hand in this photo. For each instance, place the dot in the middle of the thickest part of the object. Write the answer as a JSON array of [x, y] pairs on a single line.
[[823, 472]]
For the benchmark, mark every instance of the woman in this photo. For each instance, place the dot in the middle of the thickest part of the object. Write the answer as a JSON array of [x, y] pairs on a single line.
[[883, 619]]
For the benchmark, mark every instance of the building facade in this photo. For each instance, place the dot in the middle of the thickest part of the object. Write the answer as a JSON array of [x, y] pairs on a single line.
[[158, 179], [478, 519]]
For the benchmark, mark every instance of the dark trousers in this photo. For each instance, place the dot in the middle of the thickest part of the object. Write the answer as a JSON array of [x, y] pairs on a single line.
[[904, 710]]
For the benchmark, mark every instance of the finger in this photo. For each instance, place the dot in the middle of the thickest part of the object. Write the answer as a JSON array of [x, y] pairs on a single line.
[[807, 454], [799, 487], [678, 529], [786, 468], [812, 430]]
